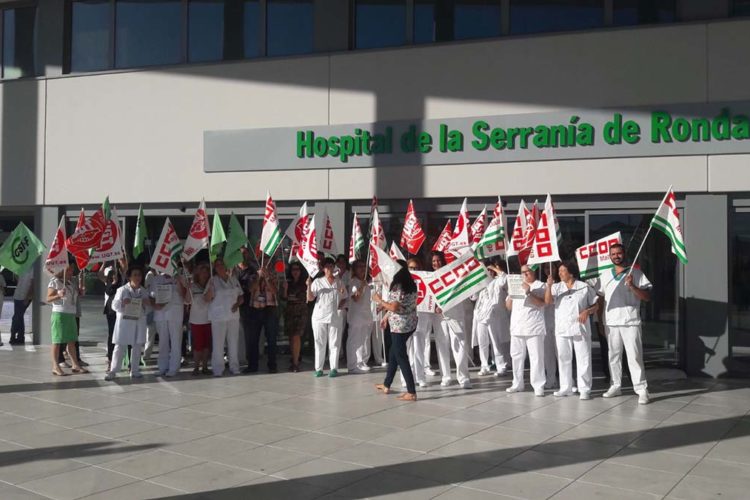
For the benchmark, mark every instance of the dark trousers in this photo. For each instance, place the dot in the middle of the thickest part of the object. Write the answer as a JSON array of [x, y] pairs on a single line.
[[17, 326], [111, 318], [398, 358], [267, 320]]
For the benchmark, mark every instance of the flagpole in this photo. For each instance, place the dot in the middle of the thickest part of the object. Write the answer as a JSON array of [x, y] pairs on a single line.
[[648, 231]]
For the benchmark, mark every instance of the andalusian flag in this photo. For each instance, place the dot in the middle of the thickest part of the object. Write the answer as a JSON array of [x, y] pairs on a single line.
[[217, 237], [140, 234], [235, 241], [667, 220], [357, 243], [270, 238]]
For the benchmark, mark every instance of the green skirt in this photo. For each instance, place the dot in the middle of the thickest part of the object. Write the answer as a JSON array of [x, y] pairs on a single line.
[[64, 328]]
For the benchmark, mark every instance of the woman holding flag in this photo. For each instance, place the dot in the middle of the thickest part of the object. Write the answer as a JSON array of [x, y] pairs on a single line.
[[62, 293], [330, 293], [225, 298], [359, 319], [168, 293]]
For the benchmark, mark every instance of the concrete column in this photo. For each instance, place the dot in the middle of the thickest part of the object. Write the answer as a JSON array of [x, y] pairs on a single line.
[[337, 213], [706, 317], [46, 220]]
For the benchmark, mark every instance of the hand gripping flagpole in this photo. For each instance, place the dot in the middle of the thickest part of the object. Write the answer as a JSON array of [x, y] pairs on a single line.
[[648, 231]]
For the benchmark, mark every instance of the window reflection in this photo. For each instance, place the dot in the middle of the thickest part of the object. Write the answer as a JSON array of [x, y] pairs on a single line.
[[631, 12], [380, 23], [251, 25], [289, 27], [739, 308], [205, 30], [91, 32], [476, 19], [741, 8], [535, 16], [18, 42], [148, 33]]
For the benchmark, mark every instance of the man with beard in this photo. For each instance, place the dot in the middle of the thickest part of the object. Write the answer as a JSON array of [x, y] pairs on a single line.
[[623, 289]]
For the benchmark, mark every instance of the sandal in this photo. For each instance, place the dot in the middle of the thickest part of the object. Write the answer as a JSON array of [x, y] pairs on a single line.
[[407, 396], [80, 369], [382, 388], [58, 372]]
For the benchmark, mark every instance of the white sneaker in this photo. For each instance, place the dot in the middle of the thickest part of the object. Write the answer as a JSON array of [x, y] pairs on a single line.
[[356, 371], [109, 377], [136, 375], [423, 384], [445, 382], [613, 392], [501, 372], [562, 394], [643, 398], [363, 367], [466, 384], [585, 395], [429, 372], [539, 394], [484, 371], [513, 389], [574, 389]]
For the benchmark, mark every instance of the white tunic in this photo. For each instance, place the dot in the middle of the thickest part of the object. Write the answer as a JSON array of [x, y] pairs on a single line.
[[623, 308], [359, 310], [489, 300], [225, 296], [199, 306], [329, 296], [568, 306], [173, 309], [527, 318], [129, 331], [67, 304]]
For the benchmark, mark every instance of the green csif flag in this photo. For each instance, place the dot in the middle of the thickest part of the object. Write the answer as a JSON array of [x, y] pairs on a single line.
[[140, 234], [235, 241], [217, 237], [20, 250]]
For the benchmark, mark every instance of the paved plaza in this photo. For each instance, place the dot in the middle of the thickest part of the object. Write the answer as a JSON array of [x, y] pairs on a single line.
[[290, 436]]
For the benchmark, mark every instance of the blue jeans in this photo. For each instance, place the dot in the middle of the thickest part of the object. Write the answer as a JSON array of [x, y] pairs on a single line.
[[265, 319], [17, 327], [398, 358]]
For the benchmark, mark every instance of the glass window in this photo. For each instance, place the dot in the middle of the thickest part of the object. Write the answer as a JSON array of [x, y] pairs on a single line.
[[18, 42], [424, 21], [148, 33], [252, 24], [205, 30], [739, 308], [289, 27], [91, 32], [630, 12], [380, 23], [535, 16], [476, 19], [741, 8]]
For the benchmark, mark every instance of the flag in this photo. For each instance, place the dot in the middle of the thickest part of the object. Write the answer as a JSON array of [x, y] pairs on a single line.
[[110, 243], [140, 234], [593, 258], [357, 242], [377, 234], [308, 255], [545, 246], [86, 238], [460, 237], [328, 241], [218, 238], [270, 237], [476, 231], [425, 300], [458, 280], [412, 236], [395, 252], [168, 249], [81, 220], [236, 239], [667, 220], [296, 231], [445, 237], [20, 250], [493, 240], [57, 258], [519, 227], [384, 265], [197, 238]]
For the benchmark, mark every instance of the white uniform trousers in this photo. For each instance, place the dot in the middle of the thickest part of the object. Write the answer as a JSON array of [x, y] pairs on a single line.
[[355, 345], [629, 338], [326, 334], [550, 359], [581, 345], [487, 335], [170, 346], [225, 331], [119, 354], [535, 347], [449, 340], [150, 340], [415, 349], [374, 344], [427, 350]]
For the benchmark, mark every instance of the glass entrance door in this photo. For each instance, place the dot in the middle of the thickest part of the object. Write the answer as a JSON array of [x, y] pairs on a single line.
[[660, 315]]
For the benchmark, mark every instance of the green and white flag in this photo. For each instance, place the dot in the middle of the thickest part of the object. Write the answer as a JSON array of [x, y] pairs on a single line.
[[270, 237], [493, 240], [140, 234], [667, 220], [217, 237], [235, 241], [357, 242], [458, 280], [20, 250]]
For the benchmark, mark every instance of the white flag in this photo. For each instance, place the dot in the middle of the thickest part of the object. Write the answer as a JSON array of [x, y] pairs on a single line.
[[57, 259], [296, 231], [395, 252], [593, 258], [376, 227], [168, 250], [667, 220], [308, 255], [385, 264], [198, 236], [328, 240], [458, 280], [270, 236], [517, 237], [545, 248], [460, 238]]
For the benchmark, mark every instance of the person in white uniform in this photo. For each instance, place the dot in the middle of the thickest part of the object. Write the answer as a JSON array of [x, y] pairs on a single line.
[[150, 323], [432, 322], [574, 302], [131, 303], [359, 319], [623, 289], [374, 345], [168, 294], [225, 296], [492, 323], [418, 342], [330, 293], [550, 349], [527, 330]]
